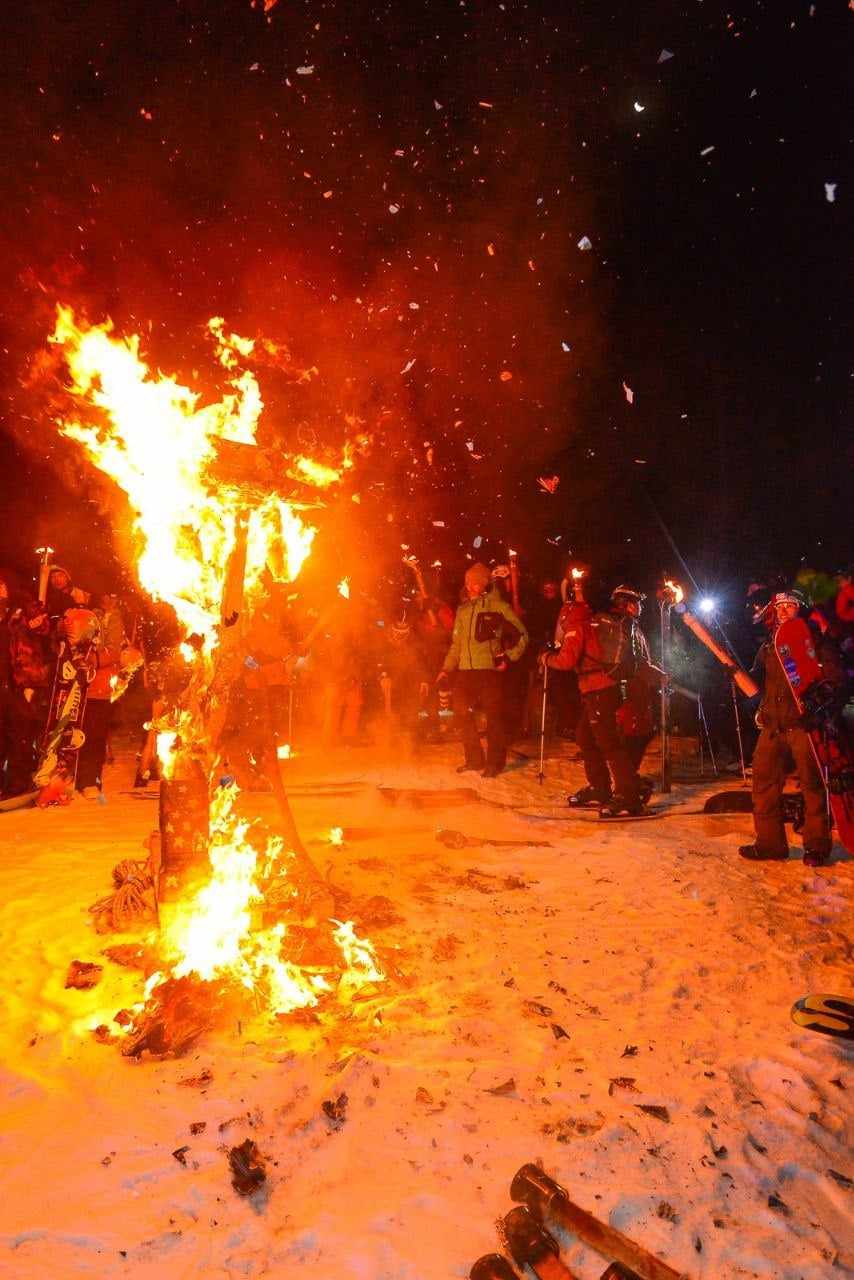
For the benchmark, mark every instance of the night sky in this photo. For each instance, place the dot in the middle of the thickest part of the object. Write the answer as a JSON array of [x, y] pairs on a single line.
[[397, 193]]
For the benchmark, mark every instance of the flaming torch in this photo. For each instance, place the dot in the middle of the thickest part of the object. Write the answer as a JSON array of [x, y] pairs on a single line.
[[738, 676], [669, 594]]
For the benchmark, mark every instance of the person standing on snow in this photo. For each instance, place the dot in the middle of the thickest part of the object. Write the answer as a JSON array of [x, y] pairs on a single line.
[[604, 650], [635, 717], [487, 636], [784, 739]]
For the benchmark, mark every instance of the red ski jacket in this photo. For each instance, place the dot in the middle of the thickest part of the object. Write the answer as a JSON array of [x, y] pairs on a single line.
[[573, 623]]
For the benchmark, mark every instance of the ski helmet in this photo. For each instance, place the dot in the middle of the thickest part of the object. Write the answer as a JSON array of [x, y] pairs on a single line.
[[627, 593], [789, 597]]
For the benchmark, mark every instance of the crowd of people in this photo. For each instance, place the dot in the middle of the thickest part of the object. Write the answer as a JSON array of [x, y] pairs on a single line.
[[498, 668], [34, 632]]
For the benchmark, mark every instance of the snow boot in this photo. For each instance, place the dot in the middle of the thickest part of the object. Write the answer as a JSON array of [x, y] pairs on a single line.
[[813, 859], [586, 798]]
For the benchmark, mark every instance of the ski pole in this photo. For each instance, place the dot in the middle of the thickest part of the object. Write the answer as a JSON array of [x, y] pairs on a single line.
[[738, 731], [543, 720], [543, 1196], [665, 606]]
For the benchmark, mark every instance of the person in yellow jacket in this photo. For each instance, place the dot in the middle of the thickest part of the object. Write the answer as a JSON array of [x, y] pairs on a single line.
[[487, 636]]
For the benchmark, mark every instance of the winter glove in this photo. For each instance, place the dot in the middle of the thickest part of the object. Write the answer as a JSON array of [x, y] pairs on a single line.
[[822, 703]]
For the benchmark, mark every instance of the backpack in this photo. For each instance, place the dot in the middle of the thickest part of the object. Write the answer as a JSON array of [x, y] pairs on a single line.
[[608, 647]]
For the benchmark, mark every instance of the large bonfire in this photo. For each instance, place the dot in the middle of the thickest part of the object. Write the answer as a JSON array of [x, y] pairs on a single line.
[[206, 545]]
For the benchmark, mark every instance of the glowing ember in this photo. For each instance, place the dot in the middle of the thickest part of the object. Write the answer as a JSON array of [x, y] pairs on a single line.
[[283, 751], [344, 588], [336, 835], [316, 473]]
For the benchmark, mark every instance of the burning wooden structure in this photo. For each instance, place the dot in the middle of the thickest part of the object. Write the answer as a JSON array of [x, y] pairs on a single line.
[[245, 917]]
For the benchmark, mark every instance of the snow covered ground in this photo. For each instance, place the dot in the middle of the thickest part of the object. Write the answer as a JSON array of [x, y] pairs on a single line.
[[541, 996]]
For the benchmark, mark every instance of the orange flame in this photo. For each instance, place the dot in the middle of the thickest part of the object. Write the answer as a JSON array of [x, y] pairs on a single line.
[[316, 473], [157, 441]]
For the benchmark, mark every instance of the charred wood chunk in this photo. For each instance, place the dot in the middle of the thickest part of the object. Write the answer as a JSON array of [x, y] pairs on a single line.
[[82, 975], [247, 1168]]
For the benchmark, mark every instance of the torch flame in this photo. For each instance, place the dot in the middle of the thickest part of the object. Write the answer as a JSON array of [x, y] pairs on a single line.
[[674, 591]]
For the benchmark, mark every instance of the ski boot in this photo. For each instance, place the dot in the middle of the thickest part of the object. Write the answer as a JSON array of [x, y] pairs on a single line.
[[586, 798], [617, 807], [646, 786], [754, 854]]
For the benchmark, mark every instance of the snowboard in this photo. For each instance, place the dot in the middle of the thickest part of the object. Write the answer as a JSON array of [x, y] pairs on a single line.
[[56, 770], [593, 815], [794, 646], [729, 802], [831, 1015]]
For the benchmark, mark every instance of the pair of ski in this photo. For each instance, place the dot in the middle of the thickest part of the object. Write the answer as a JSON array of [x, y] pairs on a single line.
[[525, 1237]]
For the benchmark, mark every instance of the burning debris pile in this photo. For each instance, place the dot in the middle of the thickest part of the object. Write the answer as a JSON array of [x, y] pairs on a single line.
[[245, 918]]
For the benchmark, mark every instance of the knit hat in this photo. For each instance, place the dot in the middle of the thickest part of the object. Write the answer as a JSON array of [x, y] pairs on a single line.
[[477, 577]]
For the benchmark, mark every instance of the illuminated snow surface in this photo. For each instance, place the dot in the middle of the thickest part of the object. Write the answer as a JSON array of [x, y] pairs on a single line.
[[653, 935]]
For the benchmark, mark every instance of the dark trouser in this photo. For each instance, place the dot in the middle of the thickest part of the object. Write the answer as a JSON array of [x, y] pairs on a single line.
[[771, 762], [484, 690], [636, 746], [25, 723], [602, 746], [93, 753]]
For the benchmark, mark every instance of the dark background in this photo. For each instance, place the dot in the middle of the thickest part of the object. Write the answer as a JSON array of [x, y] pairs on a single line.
[[164, 162]]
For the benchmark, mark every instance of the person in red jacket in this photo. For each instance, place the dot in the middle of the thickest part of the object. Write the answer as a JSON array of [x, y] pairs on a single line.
[[600, 648], [845, 596], [99, 707]]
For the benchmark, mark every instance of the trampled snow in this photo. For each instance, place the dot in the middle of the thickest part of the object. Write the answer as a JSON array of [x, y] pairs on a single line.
[[669, 962]]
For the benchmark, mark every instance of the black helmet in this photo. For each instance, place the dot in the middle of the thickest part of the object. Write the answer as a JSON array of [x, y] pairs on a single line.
[[627, 593]]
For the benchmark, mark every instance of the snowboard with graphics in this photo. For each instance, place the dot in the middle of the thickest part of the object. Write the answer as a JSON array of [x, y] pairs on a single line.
[[794, 645], [56, 770]]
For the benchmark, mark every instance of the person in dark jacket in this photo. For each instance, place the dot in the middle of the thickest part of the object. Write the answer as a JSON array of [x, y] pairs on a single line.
[[635, 717], [783, 741], [32, 661], [5, 684], [487, 636]]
